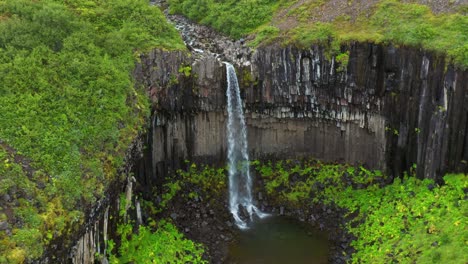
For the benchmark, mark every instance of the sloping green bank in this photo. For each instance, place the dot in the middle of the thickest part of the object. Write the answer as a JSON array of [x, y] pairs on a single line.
[[232, 17], [304, 23], [69, 109], [391, 22], [407, 221]]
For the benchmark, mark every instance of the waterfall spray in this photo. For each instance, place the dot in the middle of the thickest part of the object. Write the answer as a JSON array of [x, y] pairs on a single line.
[[240, 181]]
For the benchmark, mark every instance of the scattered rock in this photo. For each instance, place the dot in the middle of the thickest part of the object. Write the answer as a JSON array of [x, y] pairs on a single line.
[[104, 260], [203, 41], [312, 218], [3, 225], [6, 198], [174, 216]]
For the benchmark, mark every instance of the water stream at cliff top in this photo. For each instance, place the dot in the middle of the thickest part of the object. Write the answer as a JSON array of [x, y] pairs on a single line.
[[240, 180]]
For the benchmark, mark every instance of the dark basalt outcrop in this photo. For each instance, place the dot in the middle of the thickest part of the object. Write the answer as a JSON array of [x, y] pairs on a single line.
[[388, 108]]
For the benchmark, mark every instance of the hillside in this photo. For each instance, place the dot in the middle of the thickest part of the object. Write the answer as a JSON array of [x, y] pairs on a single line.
[[69, 110], [440, 26], [332, 121]]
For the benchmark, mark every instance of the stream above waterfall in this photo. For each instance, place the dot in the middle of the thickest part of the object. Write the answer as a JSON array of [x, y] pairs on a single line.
[[277, 240]]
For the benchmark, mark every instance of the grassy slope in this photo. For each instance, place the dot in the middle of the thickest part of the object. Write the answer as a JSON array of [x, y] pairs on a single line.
[[69, 109], [408, 221], [309, 22]]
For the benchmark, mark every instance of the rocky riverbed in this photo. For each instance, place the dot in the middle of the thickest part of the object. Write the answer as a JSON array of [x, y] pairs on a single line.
[[203, 41]]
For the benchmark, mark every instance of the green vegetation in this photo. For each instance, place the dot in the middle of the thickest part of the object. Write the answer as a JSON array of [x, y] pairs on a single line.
[[388, 22], [408, 221], [164, 245], [315, 181], [342, 59], [265, 35], [391, 22], [186, 70], [236, 18], [161, 242], [23, 240], [69, 105], [202, 180]]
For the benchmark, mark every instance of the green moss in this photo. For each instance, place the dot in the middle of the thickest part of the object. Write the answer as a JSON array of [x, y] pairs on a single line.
[[246, 78], [342, 59], [210, 181], [319, 182], [186, 70]]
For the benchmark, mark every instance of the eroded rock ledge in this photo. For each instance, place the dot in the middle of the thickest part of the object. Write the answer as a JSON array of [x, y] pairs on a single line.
[[388, 108]]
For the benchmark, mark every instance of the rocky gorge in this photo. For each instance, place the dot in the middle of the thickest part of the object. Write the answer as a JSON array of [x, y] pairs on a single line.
[[332, 131], [386, 107]]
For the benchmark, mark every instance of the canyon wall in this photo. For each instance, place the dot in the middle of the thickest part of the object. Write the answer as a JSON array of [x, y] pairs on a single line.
[[387, 108]]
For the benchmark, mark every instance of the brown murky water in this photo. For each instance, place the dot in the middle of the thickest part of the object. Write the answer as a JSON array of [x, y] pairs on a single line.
[[278, 240]]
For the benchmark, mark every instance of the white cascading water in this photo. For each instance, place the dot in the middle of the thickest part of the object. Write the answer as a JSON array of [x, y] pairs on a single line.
[[240, 181]]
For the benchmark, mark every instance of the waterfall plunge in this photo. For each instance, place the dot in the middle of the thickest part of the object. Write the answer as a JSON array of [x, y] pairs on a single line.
[[240, 182]]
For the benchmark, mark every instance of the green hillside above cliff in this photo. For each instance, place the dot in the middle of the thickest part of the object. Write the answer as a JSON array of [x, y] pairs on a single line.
[[69, 109], [441, 26]]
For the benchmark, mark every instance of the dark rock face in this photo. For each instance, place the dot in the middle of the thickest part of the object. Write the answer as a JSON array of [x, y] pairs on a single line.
[[408, 106], [88, 243], [388, 108]]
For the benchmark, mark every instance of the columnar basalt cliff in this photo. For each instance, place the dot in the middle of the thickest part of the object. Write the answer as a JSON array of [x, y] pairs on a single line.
[[388, 108], [90, 242]]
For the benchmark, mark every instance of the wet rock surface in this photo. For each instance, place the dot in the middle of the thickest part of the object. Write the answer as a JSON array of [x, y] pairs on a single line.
[[208, 221]]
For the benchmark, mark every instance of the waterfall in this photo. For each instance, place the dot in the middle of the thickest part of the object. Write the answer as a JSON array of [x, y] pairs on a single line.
[[240, 181]]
